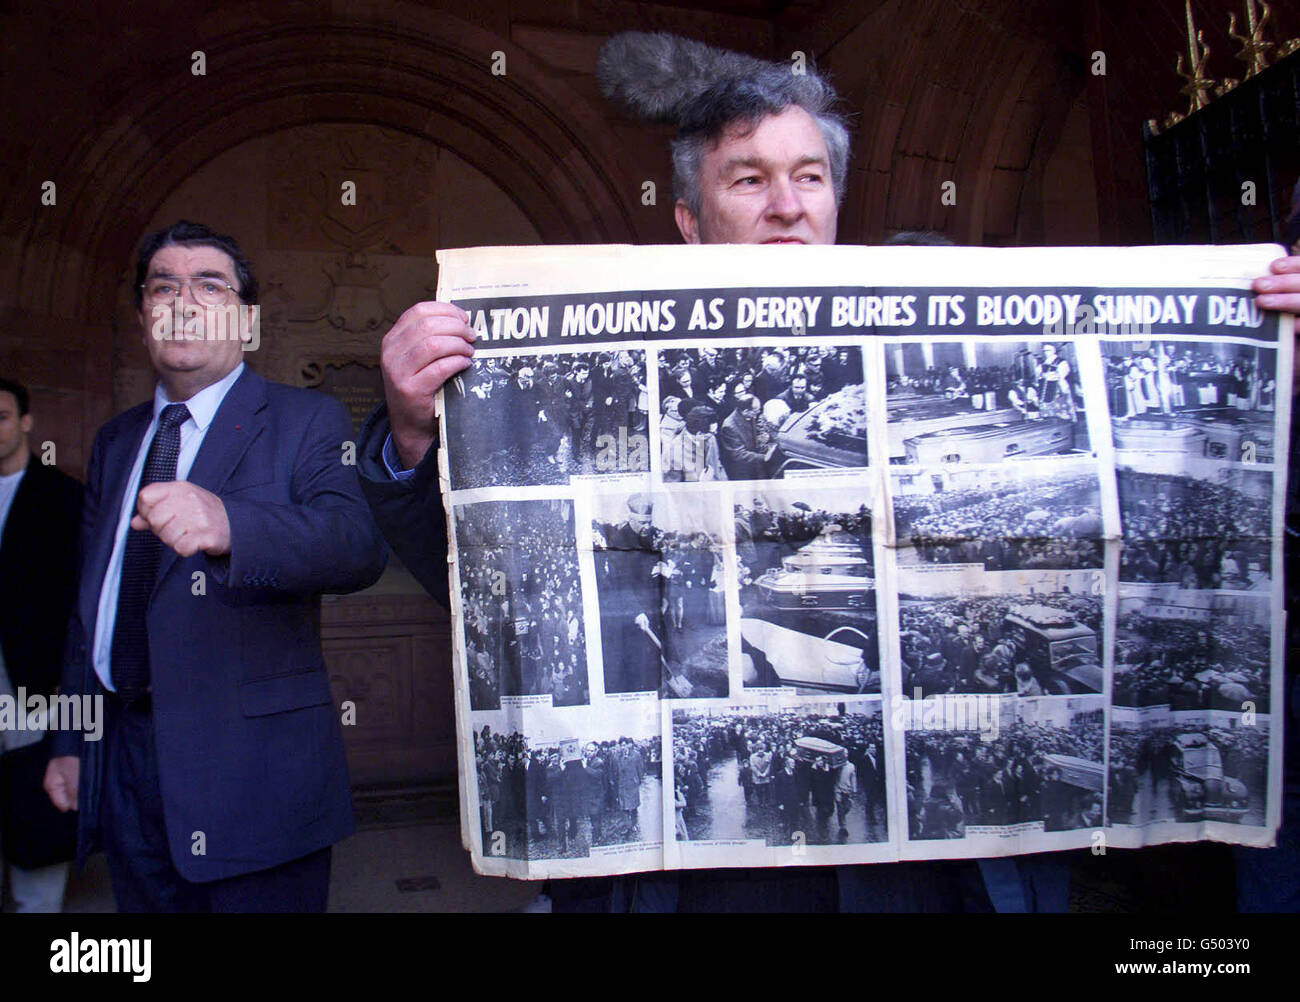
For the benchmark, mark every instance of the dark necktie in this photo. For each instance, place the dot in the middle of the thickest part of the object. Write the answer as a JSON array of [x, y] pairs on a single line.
[[130, 651]]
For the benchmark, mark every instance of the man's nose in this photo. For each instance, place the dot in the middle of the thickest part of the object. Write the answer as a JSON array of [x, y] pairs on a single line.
[[784, 201], [186, 294]]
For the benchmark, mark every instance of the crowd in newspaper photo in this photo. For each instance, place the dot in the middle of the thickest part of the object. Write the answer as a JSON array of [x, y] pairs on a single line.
[[756, 413], [1197, 532], [1012, 520], [567, 414], [522, 602], [813, 773], [1044, 766], [564, 798]]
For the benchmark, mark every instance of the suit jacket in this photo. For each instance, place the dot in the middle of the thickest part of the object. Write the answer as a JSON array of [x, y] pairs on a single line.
[[249, 747], [38, 576], [409, 512], [740, 452]]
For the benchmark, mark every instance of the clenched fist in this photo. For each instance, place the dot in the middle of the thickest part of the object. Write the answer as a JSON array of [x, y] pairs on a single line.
[[185, 517], [62, 777], [429, 344]]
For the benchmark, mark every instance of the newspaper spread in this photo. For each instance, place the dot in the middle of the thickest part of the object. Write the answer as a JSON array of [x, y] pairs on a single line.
[[788, 556]]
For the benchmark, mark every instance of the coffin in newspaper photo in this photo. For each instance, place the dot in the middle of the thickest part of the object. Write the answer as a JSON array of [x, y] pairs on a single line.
[[1200, 398], [762, 412], [807, 591], [552, 797], [964, 634], [1039, 763], [812, 774], [983, 401]]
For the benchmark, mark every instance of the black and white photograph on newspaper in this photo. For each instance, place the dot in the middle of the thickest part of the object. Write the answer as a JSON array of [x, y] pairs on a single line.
[[568, 413], [1005, 517], [1186, 768], [1195, 523], [564, 787], [1193, 650], [983, 401], [521, 602], [1215, 399], [660, 580], [780, 774], [760, 413], [964, 631], [976, 763], [807, 590]]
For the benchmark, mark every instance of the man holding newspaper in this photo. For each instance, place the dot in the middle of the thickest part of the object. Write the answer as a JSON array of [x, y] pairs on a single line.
[[760, 156]]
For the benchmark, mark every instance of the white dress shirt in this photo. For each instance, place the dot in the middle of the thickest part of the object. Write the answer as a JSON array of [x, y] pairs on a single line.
[[11, 740], [8, 488], [203, 408]]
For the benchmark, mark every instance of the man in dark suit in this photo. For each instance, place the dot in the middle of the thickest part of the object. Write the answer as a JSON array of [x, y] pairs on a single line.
[[40, 511], [742, 456], [216, 515]]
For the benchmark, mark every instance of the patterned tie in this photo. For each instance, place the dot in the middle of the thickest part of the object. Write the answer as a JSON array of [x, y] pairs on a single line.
[[130, 651]]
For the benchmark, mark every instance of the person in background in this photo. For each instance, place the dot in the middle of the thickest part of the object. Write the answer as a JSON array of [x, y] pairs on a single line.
[[40, 517]]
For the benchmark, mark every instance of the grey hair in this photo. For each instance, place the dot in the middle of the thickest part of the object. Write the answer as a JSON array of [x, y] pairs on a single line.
[[746, 101], [707, 90]]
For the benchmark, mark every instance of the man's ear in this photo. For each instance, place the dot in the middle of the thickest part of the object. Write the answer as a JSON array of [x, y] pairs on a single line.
[[26, 423], [687, 223]]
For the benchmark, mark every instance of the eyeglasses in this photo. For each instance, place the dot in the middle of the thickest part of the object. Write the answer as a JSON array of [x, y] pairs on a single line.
[[205, 289]]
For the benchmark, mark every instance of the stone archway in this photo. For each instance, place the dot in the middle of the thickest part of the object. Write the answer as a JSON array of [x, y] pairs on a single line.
[[405, 68]]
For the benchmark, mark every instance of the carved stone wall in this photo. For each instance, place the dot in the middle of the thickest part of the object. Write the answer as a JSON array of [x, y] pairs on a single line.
[[337, 265]]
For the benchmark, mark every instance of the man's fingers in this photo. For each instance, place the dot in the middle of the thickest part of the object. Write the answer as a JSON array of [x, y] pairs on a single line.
[[1279, 290], [443, 369], [1281, 302], [151, 495], [436, 308], [429, 349], [418, 323], [438, 364]]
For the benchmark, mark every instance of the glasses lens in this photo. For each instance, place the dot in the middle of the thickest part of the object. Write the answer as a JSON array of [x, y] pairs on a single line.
[[208, 291], [161, 290], [204, 291]]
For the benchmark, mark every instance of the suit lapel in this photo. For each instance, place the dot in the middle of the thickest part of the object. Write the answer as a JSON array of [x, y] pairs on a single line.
[[119, 458], [238, 421]]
